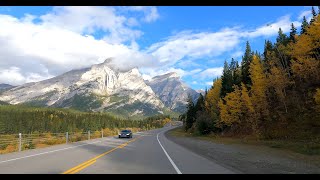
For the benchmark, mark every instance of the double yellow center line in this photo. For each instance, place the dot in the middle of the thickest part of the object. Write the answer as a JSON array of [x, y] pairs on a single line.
[[93, 160]]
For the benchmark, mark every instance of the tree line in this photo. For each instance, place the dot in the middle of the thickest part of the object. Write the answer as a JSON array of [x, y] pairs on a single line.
[[22, 119], [274, 94]]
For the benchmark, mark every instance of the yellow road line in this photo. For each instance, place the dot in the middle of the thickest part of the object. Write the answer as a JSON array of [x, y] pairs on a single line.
[[93, 160], [81, 167]]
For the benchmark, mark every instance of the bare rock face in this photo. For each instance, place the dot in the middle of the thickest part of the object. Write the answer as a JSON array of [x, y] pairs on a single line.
[[172, 91], [98, 88], [104, 88]]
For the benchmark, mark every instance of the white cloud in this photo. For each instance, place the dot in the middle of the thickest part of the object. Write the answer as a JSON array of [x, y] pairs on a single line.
[[150, 12], [194, 82], [190, 45], [306, 13], [272, 29], [36, 48], [209, 83], [148, 73], [210, 73], [194, 71], [152, 15], [88, 19], [194, 45], [11, 76], [237, 54]]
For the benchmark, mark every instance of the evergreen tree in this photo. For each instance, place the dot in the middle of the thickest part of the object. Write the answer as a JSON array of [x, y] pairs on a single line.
[[268, 47], [282, 38], [314, 15], [304, 25], [246, 60], [236, 72], [226, 79], [190, 114], [200, 104], [293, 32]]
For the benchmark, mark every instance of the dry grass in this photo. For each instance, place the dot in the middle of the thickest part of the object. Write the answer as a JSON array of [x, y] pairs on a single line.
[[48, 139]]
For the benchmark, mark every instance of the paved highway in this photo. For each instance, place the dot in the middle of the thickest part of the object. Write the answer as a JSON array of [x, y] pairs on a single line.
[[148, 152]]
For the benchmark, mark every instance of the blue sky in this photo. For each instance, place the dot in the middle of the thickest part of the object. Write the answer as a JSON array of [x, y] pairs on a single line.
[[42, 42]]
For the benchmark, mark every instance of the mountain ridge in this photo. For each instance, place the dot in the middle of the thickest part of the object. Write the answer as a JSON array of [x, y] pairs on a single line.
[[100, 87]]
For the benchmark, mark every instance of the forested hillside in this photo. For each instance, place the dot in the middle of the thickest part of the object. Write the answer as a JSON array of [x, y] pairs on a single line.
[[274, 94], [22, 119]]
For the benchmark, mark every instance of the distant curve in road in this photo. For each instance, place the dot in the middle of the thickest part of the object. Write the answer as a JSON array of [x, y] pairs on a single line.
[[148, 152]]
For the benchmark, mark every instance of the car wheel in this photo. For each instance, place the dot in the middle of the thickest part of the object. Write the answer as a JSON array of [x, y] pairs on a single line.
[[119, 137]]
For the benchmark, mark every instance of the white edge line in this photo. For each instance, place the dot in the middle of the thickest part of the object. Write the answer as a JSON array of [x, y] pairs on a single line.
[[171, 161], [47, 152]]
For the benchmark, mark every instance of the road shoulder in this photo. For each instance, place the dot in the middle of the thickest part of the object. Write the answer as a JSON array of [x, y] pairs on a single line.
[[246, 158]]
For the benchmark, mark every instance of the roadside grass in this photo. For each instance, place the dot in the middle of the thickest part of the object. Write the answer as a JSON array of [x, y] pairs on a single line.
[[47, 139], [306, 150]]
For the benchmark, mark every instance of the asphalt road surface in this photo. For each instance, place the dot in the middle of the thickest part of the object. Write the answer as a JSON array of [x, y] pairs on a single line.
[[148, 152]]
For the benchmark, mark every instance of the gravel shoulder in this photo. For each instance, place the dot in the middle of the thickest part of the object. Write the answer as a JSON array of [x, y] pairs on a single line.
[[249, 159]]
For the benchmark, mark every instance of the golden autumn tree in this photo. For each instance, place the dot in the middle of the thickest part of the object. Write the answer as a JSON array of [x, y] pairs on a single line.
[[279, 81], [258, 91], [212, 99], [230, 108], [247, 109], [306, 54]]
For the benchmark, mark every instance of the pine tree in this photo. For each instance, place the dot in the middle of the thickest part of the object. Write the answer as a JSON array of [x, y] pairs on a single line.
[[282, 38], [246, 60], [236, 72], [304, 25], [190, 114], [227, 80], [293, 33], [268, 48], [200, 104], [314, 15]]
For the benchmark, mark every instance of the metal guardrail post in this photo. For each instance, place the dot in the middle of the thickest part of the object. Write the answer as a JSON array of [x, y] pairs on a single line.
[[20, 141], [89, 135], [101, 133], [67, 137]]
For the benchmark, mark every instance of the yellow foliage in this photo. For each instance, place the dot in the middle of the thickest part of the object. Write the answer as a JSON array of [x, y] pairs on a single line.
[[230, 111], [213, 97], [258, 88], [246, 99], [9, 148], [279, 80], [41, 145], [306, 64]]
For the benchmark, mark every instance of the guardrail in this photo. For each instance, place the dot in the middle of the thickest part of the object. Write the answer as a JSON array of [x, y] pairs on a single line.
[[20, 142]]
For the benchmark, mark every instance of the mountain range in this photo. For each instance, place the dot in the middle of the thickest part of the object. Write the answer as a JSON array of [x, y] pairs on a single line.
[[102, 87]]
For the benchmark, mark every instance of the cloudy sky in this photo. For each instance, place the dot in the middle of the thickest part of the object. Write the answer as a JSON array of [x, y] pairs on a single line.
[[41, 42]]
